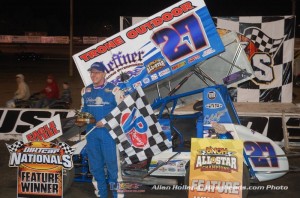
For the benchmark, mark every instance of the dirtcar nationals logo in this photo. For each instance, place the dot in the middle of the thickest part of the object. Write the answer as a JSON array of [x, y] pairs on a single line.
[[40, 166], [216, 159]]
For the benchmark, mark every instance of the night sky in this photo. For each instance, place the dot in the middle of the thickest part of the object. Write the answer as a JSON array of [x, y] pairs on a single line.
[[101, 17]]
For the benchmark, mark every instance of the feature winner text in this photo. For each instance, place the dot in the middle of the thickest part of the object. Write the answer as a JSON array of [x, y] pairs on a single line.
[[224, 187], [40, 182]]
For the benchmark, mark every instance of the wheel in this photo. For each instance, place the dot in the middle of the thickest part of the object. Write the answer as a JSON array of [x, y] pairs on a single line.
[[187, 176], [68, 177], [246, 180]]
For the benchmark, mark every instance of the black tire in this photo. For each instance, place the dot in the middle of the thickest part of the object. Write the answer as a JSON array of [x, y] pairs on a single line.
[[187, 175], [246, 180], [68, 177]]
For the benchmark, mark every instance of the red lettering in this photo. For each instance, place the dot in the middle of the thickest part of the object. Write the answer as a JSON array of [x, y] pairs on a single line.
[[157, 21], [167, 16], [89, 55], [29, 137], [187, 6], [119, 41], [42, 134], [132, 34], [110, 45], [53, 128], [177, 12], [48, 131], [35, 136], [101, 49], [141, 30], [84, 57]]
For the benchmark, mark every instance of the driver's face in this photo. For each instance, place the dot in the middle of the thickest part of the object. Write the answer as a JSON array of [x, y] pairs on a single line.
[[98, 77]]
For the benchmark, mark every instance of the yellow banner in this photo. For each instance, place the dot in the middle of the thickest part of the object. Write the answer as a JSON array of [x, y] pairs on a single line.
[[216, 168]]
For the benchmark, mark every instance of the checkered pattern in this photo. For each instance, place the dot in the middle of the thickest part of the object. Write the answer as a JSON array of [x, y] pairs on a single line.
[[15, 146], [263, 42], [68, 150], [274, 36], [156, 139]]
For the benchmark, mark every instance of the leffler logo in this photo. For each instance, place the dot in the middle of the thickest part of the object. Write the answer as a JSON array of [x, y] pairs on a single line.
[[135, 128]]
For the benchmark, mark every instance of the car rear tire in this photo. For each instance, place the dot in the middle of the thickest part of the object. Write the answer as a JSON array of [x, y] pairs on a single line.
[[246, 181], [68, 177]]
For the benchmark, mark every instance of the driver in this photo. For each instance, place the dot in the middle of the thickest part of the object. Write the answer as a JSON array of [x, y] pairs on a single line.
[[99, 99]]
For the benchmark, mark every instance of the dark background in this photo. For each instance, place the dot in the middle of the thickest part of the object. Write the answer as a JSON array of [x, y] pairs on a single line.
[[101, 17]]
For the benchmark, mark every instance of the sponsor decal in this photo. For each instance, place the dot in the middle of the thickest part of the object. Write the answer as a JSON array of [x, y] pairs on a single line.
[[154, 77], [135, 127], [164, 72], [214, 105], [98, 101], [211, 95], [214, 117], [179, 65], [102, 49], [146, 80], [216, 159], [88, 89], [121, 60], [160, 20], [172, 168], [193, 58], [155, 65], [46, 131], [208, 52], [137, 84], [123, 67], [40, 166]]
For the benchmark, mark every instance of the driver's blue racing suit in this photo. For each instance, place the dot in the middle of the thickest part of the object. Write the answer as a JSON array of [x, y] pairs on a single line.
[[101, 148]]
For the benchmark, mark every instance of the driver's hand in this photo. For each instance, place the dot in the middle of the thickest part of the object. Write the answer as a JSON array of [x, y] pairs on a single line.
[[99, 124]]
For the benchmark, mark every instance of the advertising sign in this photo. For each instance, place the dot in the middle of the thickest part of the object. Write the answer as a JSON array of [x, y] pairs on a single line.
[[46, 131], [159, 46], [40, 166], [14, 122], [216, 168]]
